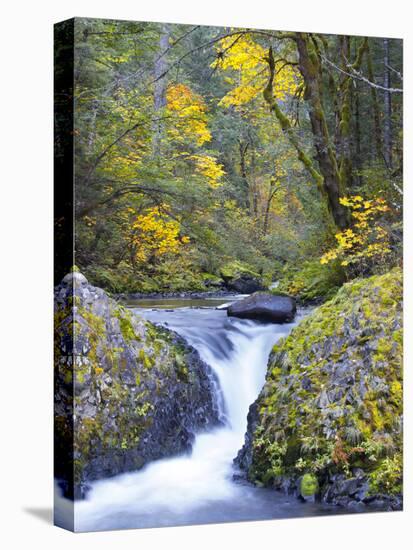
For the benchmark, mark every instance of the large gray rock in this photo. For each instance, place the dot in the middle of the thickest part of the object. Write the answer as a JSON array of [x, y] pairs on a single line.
[[335, 380], [264, 307], [241, 278], [245, 284], [126, 391]]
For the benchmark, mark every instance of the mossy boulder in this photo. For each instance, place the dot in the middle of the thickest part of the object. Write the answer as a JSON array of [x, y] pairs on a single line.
[[126, 391], [308, 486], [212, 281], [240, 277], [331, 405]]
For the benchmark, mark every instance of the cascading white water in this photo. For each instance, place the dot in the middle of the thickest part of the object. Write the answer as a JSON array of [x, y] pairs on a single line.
[[199, 487]]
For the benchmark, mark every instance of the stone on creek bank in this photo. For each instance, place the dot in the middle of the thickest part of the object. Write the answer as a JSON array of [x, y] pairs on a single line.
[[241, 278], [264, 307]]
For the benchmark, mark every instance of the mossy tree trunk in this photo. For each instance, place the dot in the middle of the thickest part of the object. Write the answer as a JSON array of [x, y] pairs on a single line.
[[345, 94], [326, 175], [243, 149], [311, 70], [271, 194], [388, 156], [333, 174]]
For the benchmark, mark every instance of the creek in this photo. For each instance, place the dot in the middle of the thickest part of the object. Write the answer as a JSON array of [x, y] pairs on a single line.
[[199, 487]]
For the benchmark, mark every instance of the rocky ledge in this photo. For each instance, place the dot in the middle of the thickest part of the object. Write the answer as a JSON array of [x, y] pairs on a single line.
[[328, 422], [126, 391]]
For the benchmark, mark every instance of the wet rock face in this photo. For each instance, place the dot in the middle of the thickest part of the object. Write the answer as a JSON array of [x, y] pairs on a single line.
[[264, 307], [126, 391], [331, 406], [240, 278], [244, 284]]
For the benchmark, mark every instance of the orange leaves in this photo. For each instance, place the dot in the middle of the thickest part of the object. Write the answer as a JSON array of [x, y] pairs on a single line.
[[341, 455], [180, 97]]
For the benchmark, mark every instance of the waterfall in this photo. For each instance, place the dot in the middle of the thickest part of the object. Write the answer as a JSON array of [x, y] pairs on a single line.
[[196, 487]]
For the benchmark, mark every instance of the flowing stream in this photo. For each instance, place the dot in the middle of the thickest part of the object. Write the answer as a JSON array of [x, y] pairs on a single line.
[[199, 487]]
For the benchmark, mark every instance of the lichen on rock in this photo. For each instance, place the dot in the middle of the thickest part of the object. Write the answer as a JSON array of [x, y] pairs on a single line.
[[331, 406], [126, 391]]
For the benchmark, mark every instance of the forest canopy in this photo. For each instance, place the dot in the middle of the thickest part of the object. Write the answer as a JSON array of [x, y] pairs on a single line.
[[198, 148]]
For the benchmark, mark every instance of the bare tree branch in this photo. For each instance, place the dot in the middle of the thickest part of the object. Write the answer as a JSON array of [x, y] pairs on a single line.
[[395, 71], [126, 190], [357, 75], [106, 150], [277, 36]]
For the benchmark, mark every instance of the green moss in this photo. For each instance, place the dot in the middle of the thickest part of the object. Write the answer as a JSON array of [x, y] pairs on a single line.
[[387, 478], [376, 417], [311, 281], [144, 359], [309, 485], [125, 323], [181, 367], [398, 336], [384, 347], [233, 270], [334, 385], [143, 410], [396, 393], [211, 279]]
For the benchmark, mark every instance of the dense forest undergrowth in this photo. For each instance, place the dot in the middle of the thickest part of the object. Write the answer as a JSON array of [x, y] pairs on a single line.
[[206, 152]]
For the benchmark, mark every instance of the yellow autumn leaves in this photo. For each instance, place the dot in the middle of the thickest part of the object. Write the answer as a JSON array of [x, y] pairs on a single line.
[[190, 120], [207, 166], [367, 238], [153, 235], [244, 59], [189, 127]]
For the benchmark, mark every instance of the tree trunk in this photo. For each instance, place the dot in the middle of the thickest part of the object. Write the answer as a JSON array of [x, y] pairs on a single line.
[[310, 69], [378, 138], [243, 148], [271, 195], [387, 106], [345, 92], [159, 94], [359, 161], [344, 151], [254, 188]]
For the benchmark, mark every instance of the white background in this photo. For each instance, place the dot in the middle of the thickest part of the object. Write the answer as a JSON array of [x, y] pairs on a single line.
[[26, 272]]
